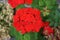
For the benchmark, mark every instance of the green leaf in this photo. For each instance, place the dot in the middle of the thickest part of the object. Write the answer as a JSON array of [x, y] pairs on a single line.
[[41, 3], [35, 4], [40, 35], [27, 36], [20, 6], [51, 4], [12, 31], [51, 23], [33, 36]]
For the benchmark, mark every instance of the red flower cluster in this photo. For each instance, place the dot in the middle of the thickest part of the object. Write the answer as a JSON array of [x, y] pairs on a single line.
[[15, 3], [28, 1], [47, 29], [27, 20]]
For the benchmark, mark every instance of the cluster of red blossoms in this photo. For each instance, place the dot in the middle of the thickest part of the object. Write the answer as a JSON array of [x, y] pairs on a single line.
[[15, 3], [27, 20], [47, 29]]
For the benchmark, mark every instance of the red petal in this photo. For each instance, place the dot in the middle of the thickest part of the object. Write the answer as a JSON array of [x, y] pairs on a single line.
[[15, 3], [28, 1]]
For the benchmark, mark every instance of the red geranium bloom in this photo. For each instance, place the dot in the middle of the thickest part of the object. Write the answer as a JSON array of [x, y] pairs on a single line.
[[28, 1], [48, 30], [27, 20], [15, 3]]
